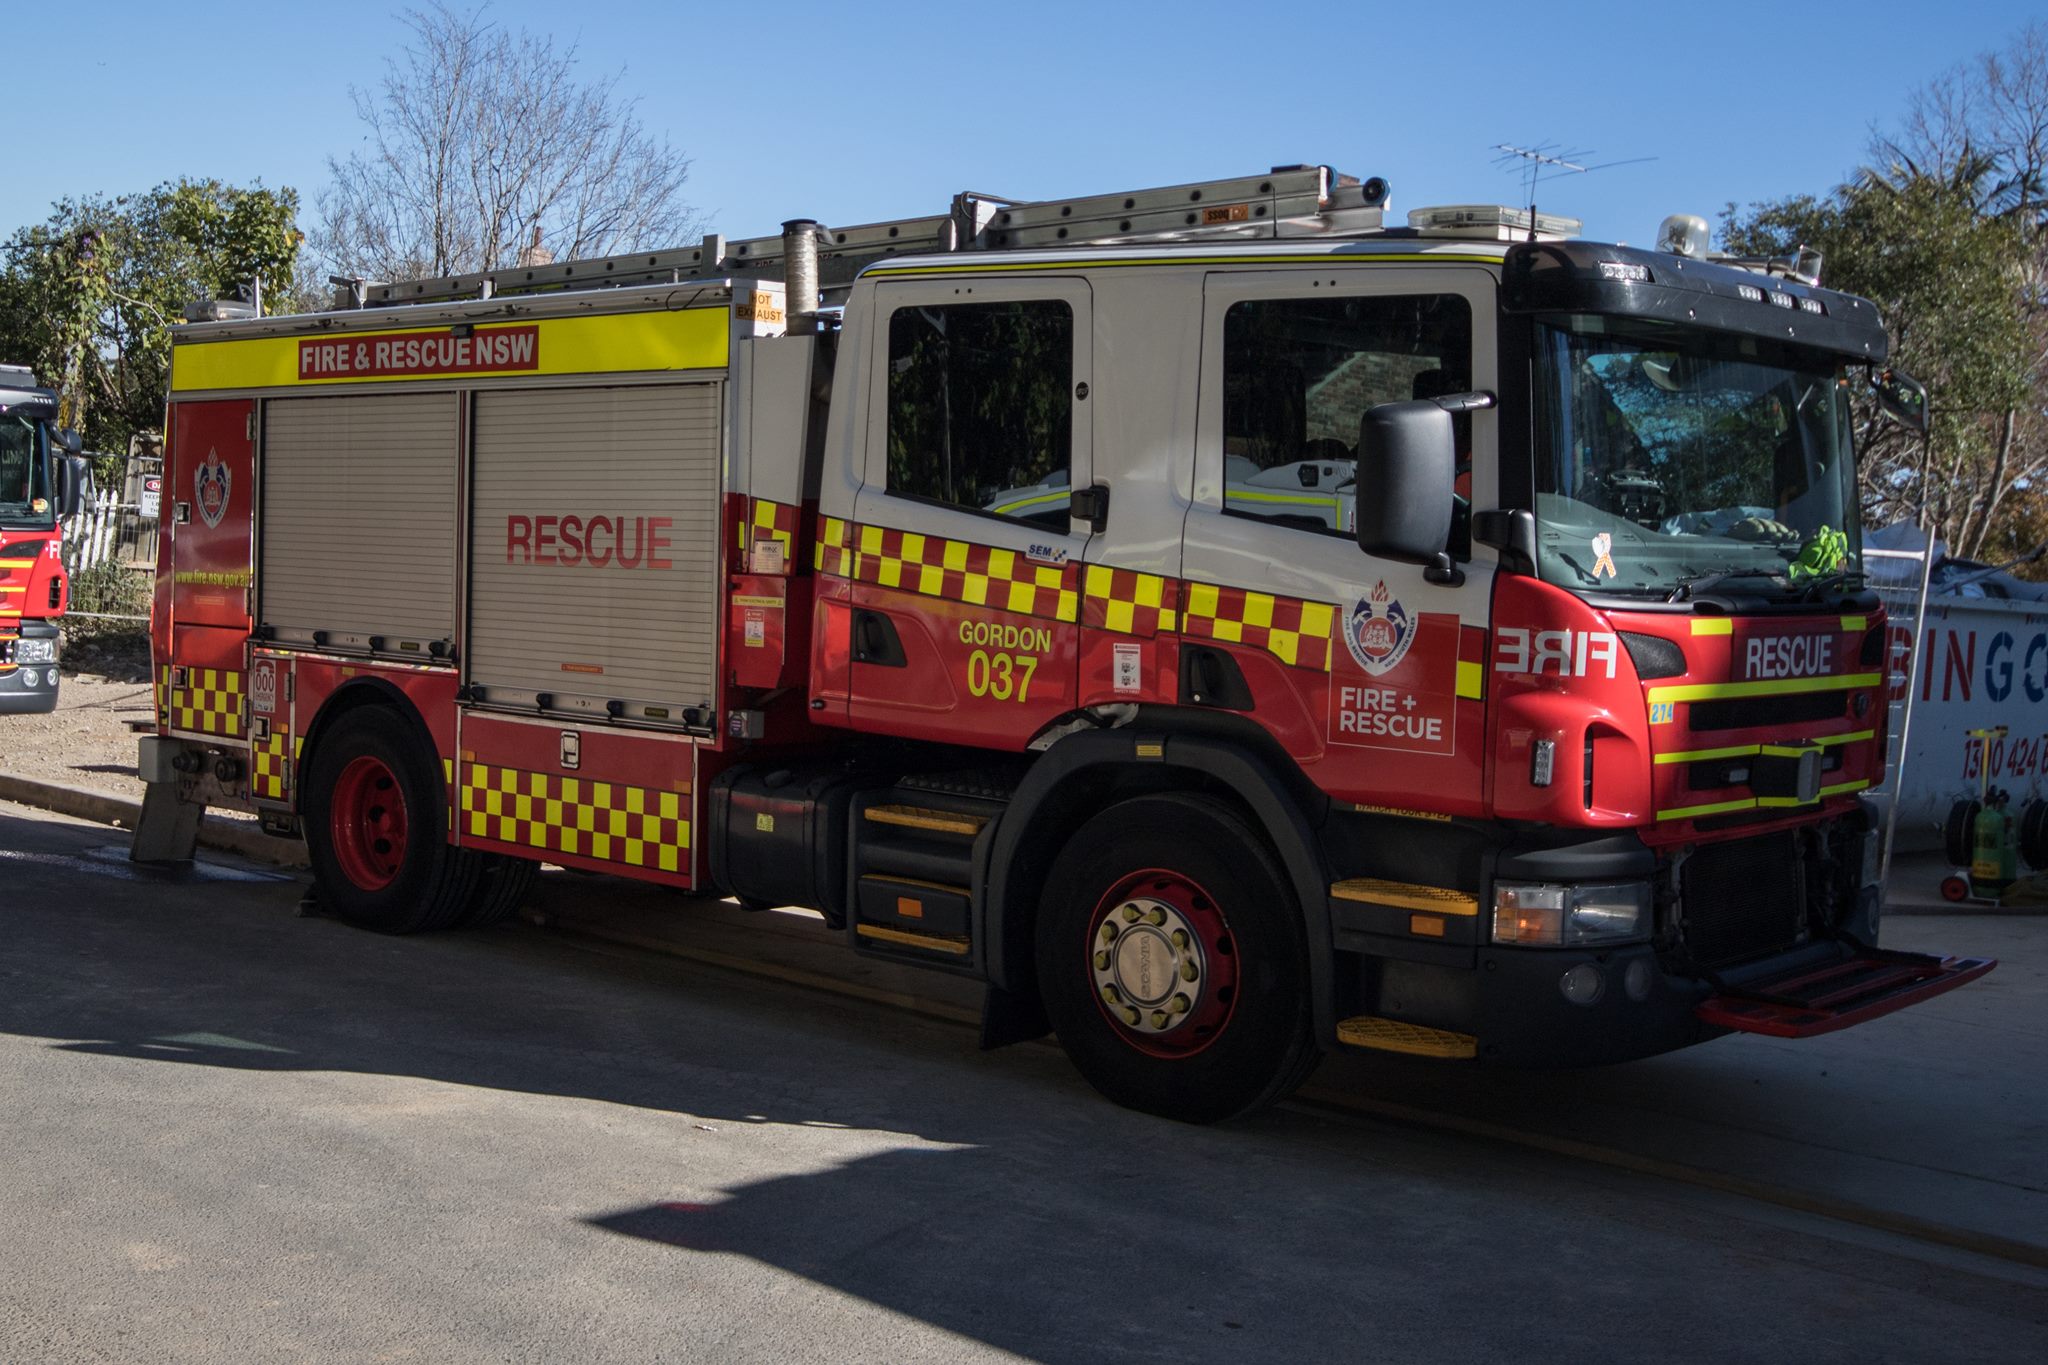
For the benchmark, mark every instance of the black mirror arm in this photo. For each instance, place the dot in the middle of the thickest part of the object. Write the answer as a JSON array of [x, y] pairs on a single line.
[[1445, 571]]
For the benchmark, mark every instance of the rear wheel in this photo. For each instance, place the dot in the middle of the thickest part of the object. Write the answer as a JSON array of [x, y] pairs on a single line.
[[1172, 961], [376, 828]]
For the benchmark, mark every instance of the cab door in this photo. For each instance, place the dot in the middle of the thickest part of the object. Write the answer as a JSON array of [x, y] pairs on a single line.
[[964, 559], [1369, 673]]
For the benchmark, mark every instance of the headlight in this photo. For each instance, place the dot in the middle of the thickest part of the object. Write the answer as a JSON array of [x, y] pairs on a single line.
[[1548, 915], [35, 651]]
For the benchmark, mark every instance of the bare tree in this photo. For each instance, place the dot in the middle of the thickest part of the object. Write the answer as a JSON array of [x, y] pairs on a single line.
[[483, 144]]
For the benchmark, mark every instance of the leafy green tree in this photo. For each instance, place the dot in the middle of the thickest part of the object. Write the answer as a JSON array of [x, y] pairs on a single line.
[[1948, 233], [88, 297]]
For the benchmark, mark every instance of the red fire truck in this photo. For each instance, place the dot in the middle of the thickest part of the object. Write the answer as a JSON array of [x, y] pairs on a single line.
[[42, 478], [1228, 624]]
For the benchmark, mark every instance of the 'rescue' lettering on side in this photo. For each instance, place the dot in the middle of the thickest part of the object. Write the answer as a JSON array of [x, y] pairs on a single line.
[[599, 541], [400, 355]]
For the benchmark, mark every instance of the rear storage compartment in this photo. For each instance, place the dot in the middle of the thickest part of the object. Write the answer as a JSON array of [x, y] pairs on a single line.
[[594, 576], [358, 528]]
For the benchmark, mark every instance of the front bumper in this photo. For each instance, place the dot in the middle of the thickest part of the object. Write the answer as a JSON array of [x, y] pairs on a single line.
[[28, 689], [1550, 1007]]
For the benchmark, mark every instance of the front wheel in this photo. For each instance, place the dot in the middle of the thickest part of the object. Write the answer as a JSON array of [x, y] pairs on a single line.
[[1172, 961], [376, 828]]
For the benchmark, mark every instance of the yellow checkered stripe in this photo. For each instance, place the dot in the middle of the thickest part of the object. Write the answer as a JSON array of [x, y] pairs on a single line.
[[1293, 631], [207, 702], [956, 570], [1128, 602], [770, 520], [269, 768], [608, 821]]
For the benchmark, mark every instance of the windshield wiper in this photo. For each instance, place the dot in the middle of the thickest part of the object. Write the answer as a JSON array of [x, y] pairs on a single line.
[[1688, 588], [1840, 578]]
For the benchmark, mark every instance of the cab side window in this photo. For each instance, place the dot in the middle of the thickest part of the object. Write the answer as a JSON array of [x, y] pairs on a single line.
[[1299, 374], [981, 407]]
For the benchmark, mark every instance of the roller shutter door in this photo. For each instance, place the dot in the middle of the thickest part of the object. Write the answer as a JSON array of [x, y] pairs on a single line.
[[596, 571], [359, 516]]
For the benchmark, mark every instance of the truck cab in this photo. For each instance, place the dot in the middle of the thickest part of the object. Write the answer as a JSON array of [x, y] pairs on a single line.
[[40, 473]]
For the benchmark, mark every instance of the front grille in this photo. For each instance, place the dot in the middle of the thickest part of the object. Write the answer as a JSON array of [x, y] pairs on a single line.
[[1742, 899], [1744, 712]]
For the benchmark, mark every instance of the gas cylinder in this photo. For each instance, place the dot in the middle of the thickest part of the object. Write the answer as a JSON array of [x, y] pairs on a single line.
[[1994, 865]]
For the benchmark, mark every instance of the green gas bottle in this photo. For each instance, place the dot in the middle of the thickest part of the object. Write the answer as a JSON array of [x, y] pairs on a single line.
[[1994, 864]]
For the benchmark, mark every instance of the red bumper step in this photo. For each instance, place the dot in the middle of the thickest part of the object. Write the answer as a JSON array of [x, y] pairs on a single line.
[[1811, 1000]]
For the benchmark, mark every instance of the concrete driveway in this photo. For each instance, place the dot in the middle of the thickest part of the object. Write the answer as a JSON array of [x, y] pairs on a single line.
[[231, 1133]]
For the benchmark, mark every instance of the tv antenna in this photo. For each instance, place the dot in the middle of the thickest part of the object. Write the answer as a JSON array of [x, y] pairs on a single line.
[[1549, 162]]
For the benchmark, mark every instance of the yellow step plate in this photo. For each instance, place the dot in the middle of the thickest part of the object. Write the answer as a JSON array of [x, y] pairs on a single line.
[[903, 938], [1391, 1035], [1437, 900], [935, 821]]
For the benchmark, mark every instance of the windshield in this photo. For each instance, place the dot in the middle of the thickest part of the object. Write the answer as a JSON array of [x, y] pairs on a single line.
[[24, 473], [1671, 458]]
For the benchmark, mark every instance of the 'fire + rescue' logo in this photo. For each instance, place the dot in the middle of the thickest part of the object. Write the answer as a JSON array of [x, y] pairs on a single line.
[[1379, 630]]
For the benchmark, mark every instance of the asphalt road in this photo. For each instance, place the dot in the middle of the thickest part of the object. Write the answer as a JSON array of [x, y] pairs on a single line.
[[230, 1133]]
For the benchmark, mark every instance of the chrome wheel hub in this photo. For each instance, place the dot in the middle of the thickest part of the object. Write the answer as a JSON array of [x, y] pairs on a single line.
[[1149, 965]]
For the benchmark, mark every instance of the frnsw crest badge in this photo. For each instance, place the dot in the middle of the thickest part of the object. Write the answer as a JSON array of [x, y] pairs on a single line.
[[210, 488], [1378, 630]]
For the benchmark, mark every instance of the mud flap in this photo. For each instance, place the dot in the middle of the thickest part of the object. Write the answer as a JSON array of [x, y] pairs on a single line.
[[168, 831], [1809, 1000]]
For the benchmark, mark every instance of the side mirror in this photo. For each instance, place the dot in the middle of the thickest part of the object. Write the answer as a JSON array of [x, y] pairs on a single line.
[[1902, 397], [1407, 470], [69, 441], [74, 484]]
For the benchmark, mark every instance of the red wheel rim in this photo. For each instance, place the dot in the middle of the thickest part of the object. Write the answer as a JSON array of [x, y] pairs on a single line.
[[1162, 963], [368, 823]]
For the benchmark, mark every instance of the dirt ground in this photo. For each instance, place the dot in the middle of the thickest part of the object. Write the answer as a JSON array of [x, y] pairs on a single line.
[[86, 741]]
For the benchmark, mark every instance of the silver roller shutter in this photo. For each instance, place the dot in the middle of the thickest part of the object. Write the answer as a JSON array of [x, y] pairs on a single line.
[[626, 477], [359, 516]]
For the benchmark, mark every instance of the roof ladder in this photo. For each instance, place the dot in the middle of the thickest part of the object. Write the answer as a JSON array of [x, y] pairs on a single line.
[[1285, 201]]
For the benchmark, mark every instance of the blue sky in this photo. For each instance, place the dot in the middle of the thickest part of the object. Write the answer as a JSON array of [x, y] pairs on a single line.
[[880, 111]]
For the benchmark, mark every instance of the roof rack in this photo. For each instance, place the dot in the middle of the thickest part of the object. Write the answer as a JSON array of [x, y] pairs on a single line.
[[1285, 201]]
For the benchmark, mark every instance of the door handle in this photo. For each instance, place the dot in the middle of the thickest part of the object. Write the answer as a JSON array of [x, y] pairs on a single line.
[[1090, 505]]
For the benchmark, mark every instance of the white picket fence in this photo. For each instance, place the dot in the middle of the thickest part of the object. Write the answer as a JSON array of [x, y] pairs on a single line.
[[114, 531]]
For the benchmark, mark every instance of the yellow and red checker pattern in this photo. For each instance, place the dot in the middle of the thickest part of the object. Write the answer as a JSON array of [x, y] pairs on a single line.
[[955, 570], [607, 821], [1126, 602], [207, 702], [1291, 630], [269, 767], [770, 521], [1121, 601]]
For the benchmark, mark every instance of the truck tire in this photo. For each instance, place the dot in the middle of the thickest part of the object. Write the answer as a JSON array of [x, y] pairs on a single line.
[[376, 828], [1959, 833], [1172, 961], [2034, 835], [502, 885]]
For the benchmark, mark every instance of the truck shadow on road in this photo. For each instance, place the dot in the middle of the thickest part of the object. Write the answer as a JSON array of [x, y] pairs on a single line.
[[877, 1154]]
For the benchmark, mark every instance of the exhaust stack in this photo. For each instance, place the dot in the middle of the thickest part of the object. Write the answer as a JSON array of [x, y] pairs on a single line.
[[800, 274]]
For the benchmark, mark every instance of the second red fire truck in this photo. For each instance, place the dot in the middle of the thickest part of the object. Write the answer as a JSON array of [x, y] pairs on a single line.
[[42, 480], [1227, 623]]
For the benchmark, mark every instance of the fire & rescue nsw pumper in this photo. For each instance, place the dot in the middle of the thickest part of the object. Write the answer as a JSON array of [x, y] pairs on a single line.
[[42, 478], [1225, 624]]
